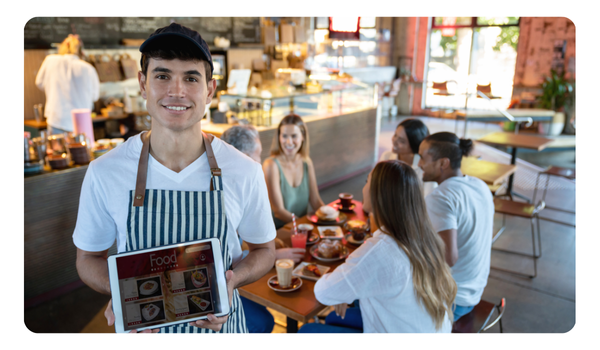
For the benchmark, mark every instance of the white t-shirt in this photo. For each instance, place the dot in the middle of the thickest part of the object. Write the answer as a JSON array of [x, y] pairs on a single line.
[[104, 201], [69, 83], [428, 186], [379, 275], [466, 204]]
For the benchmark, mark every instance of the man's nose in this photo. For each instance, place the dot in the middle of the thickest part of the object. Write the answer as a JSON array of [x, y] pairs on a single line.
[[176, 89]]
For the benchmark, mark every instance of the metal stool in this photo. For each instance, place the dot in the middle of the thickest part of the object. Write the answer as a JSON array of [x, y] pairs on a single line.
[[559, 172], [524, 210]]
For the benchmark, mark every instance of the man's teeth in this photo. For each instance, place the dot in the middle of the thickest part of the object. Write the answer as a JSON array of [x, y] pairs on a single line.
[[176, 108]]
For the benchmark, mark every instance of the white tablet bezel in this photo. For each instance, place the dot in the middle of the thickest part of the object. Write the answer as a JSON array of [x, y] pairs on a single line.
[[220, 274]]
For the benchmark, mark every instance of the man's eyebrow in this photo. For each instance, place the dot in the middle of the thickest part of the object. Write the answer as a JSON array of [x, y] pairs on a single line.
[[161, 69], [193, 72]]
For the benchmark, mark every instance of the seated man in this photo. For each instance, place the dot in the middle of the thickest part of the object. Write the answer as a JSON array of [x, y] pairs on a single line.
[[461, 210]]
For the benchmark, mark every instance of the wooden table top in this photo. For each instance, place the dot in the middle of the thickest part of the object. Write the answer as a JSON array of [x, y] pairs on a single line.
[[515, 112], [300, 305], [490, 172], [35, 124], [508, 139]]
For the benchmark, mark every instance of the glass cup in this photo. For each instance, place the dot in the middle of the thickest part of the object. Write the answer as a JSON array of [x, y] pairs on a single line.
[[299, 239], [284, 269]]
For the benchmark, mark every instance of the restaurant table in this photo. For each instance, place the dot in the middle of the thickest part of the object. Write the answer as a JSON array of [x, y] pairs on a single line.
[[490, 172], [299, 305], [520, 115], [515, 141], [32, 123]]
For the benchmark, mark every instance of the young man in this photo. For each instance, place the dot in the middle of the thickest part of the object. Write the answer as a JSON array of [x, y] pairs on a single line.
[[185, 168], [461, 209]]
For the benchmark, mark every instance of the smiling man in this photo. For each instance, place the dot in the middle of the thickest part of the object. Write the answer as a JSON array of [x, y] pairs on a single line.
[[160, 172]]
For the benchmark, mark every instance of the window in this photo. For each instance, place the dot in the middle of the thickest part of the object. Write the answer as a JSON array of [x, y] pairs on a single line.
[[465, 52]]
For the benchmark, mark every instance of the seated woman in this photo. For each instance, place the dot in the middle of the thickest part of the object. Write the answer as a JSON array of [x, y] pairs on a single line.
[[405, 147], [399, 276], [289, 172]]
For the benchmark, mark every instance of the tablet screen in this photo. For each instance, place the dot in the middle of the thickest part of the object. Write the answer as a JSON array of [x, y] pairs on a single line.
[[169, 285]]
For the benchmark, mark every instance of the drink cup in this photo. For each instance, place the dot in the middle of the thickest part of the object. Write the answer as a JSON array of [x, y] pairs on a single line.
[[284, 269], [299, 239], [346, 199], [305, 228]]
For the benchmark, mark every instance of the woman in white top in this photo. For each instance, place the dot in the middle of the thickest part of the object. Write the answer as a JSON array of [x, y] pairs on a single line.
[[405, 147], [399, 276]]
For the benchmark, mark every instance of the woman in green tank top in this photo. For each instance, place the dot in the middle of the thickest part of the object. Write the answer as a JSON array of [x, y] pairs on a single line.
[[289, 172]]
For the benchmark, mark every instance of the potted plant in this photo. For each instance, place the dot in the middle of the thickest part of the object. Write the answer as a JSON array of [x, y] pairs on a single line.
[[557, 93]]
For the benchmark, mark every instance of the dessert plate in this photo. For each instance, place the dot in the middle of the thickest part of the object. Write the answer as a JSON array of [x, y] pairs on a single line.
[[315, 254], [312, 217], [300, 272], [326, 232], [148, 287]]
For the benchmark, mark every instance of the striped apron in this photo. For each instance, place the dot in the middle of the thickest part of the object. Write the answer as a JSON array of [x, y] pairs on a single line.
[[163, 217]]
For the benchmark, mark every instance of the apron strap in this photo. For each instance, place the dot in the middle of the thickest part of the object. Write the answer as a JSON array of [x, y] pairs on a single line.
[[140, 184], [212, 161]]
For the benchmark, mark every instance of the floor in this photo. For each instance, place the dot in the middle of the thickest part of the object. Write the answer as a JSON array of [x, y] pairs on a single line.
[[545, 304]]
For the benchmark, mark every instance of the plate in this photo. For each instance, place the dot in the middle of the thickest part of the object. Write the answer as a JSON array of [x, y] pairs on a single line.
[[273, 284], [313, 238], [299, 271], [338, 234], [200, 281], [313, 251], [338, 206], [201, 303], [148, 314], [148, 287], [312, 217], [351, 239]]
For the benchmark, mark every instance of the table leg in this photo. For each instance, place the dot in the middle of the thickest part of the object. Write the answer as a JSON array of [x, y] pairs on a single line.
[[292, 325], [509, 190]]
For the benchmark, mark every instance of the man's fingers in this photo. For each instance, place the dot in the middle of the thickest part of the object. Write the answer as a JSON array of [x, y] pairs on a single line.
[[108, 313]]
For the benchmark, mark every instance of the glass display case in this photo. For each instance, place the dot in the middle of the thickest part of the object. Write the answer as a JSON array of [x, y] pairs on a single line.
[[267, 107]]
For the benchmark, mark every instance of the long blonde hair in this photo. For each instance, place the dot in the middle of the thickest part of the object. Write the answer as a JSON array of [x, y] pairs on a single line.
[[291, 119], [70, 46], [399, 209]]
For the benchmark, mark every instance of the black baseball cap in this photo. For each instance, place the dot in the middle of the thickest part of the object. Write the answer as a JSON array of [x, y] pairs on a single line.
[[175, 34]]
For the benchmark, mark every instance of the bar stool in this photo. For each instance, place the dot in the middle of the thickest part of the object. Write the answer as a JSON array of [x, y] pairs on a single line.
[[524, 210], [478, 320], [559, 172]]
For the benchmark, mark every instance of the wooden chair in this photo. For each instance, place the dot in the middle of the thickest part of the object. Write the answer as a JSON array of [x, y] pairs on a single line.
[[487, 90], [478, 320], [524, 210], [559, 172], [441, 88]]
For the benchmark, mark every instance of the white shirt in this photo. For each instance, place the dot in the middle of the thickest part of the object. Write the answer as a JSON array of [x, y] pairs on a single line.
[[428, 186], [466, 205], [379, 275], [69, 83], [104, 201]]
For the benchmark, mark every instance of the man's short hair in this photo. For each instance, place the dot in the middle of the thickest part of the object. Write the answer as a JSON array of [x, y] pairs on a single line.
[[243, 137], [171, 54], [448, 145]]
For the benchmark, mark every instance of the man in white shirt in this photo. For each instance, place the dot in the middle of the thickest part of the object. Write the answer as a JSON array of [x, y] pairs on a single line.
[[461, 210], [196, 186], [69, 83]]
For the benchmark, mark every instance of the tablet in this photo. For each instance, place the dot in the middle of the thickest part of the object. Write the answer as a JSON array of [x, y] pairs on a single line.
[[167, 285]]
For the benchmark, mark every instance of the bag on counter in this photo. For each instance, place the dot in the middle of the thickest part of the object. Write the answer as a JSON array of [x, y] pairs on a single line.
[[108, 69], [129, 66]]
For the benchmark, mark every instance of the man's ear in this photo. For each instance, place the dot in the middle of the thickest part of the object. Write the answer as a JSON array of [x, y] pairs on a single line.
[[445, 163], [142, 82], [212, 88]]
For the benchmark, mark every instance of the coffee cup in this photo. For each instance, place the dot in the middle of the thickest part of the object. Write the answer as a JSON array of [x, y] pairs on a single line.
[[346, 199], [305, 228], [284, 269]]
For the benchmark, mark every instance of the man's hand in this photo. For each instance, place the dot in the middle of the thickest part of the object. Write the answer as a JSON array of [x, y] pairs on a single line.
[[296, 254], [213, 322], [340, 309], [110, 317]]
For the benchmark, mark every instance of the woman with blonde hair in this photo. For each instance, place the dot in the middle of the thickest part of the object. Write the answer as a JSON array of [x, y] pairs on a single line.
[[399, 276], [289, 172]]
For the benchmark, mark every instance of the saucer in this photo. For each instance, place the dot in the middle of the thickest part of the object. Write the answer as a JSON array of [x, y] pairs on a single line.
[[338, 206], [274, 284], [313, 238], [351, 239]]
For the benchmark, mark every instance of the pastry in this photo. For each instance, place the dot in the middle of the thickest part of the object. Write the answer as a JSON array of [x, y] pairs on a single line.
[[329, 249], [312, 270], [327, 213]]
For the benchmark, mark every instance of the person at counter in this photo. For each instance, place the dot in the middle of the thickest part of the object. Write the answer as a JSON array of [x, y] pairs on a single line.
[[69, 83], [399, 276], [178, 158], [290, 173], [405, 146], [461, 209]]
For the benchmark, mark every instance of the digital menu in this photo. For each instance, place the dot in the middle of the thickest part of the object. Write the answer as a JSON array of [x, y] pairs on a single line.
[[169, 285]]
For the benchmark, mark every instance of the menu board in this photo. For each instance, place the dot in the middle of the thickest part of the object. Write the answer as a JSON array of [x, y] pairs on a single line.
[[100, 32]]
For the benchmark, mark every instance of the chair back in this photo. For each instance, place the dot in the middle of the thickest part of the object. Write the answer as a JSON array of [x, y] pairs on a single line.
[[478, 320], [440, 86], [486, 89]]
